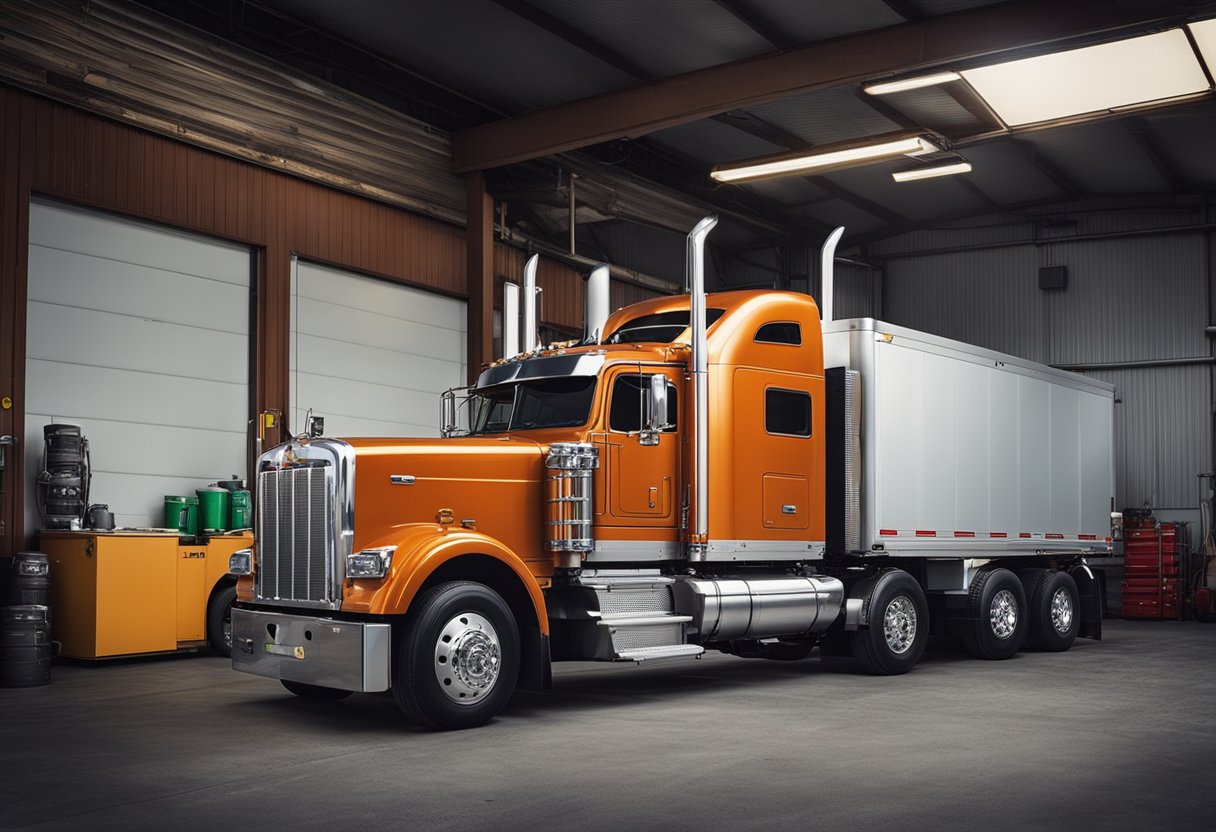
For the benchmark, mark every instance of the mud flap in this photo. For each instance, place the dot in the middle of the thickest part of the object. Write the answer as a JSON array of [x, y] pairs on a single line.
[[1090, 590]]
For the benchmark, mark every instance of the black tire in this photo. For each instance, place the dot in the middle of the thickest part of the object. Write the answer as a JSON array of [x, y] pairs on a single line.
[[898, 629], [315, 692], [219, 620], [997, 602], [1030, 578], [1053, 612], [458, 658]]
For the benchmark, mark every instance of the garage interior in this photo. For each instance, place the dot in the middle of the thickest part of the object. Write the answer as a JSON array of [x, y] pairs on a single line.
[[221, 219]]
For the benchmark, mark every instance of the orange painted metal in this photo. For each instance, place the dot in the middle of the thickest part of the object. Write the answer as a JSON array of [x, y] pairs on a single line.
[[494, 484]]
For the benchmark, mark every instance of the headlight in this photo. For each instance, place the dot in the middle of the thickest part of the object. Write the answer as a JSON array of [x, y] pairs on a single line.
[[370, 563], [240, 562]]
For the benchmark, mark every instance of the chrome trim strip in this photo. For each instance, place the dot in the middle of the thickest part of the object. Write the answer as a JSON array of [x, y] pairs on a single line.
[[741, 550], [402, 479], [620, 551]]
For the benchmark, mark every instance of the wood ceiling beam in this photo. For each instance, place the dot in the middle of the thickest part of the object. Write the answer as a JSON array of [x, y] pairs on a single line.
[[667, 102]]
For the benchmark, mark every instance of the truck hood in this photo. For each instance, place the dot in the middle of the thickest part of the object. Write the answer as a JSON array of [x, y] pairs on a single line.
[[493, 482]]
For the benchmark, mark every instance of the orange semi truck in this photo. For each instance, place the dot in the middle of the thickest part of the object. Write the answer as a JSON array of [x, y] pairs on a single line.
[[686, 477]]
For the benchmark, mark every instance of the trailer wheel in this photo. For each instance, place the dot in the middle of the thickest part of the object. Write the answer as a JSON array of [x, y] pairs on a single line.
[[459, 657], [898, 630], [219, 620], [998, 604], [317, 693], [1054, 611]]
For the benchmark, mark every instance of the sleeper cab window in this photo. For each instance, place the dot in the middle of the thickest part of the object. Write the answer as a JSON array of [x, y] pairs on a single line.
[[787, 412], [781, 332], [630, 401]]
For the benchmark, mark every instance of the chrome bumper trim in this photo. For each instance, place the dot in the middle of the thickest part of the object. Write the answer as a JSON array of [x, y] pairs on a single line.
[[347, 655]]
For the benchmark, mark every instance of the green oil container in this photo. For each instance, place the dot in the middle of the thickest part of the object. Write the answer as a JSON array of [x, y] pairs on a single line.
[[212, 509], [239, 515], [181, 513]]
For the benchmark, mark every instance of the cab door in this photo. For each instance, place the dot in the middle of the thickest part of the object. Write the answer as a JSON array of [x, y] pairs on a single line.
[[641, 470]]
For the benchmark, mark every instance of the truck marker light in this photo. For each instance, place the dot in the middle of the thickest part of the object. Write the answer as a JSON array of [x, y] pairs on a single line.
[[1088, 536], [925, 533], [964, 534], [1023, 534], [1054, 536], [998, 534], [888, 532]]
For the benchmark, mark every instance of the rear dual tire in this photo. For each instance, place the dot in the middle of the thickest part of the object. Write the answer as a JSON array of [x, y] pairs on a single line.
[[1053, 609], [997, 604]]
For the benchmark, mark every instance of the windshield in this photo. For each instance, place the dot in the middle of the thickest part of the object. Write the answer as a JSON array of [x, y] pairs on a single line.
[[660, 327], [563, 402]]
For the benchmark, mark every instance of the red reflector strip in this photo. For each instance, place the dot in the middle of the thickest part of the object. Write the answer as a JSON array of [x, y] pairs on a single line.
[[1054, 536], [1108, 540], [888, 532], [923, 533], [1023, 534], [964, 534], [998, 534], [1088, 536]]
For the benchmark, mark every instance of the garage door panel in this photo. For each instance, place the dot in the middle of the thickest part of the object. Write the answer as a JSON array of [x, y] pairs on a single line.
[[82, 281], [337, 359], [371, 329], [100, 339], [125, 395], [110, 237], [372, 356], [336, 288]]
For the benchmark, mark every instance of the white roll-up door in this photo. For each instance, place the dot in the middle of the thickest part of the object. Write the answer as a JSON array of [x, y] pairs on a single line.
[[139, 334], [369, 356]]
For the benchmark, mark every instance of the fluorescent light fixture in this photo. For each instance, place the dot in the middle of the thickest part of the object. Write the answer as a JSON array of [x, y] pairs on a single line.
[[930, 173], [1109, 76], [832, 156], [1205, 38], [888, 87]]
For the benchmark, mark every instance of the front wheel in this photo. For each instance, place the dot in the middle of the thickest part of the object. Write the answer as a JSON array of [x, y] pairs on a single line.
[[997, 603], [219, 620], [459, 657], [898, 627]]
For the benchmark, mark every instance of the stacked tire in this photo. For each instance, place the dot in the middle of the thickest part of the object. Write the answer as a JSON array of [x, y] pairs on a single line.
[[25, 625]]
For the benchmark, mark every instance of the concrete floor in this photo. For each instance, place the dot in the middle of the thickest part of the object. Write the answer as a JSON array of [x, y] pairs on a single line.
[[1119, 733]]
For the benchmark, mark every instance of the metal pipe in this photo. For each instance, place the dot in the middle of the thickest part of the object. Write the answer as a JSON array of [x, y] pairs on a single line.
[[827, 257], [530, 339], [572, 225], [1041, 241], [597, 304], [1137, 365], [695, 266], [510, 319]]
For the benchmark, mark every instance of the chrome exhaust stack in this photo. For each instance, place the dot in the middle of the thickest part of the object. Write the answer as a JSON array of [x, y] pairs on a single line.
[[510, 319], [827, 272], [530, 338], [695, 265], [595, 313]]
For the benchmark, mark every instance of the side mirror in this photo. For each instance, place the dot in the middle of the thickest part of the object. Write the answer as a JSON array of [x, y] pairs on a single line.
[[656, 414]]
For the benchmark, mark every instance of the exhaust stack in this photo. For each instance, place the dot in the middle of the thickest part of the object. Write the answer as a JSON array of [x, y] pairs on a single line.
[[827, 272], [695, 265], [530, 339], [510, 319], [595, 315]]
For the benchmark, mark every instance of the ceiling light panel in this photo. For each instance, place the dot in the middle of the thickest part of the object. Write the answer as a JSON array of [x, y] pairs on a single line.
[[1205, 36], [931, 172], [904, 84], [815, 161], [1109, 76]]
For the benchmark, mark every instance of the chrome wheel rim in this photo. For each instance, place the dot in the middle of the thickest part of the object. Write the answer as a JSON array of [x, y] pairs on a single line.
[[468, 658], [1061, 611], [899, 625], [1003, 615]]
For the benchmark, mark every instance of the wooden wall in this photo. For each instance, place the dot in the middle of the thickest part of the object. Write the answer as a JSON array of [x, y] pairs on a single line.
[[56, 151]]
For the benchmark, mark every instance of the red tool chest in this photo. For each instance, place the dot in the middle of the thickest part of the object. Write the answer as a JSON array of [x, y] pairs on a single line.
[[1152, 572]]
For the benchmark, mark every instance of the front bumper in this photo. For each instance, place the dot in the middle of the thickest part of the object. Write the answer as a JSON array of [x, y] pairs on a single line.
[[347, 655]]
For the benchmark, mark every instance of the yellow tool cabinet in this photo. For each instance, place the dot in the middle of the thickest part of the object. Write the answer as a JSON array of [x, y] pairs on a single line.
[[127, 593]]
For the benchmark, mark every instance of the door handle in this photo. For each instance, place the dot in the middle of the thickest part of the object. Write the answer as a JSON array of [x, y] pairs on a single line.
[[788, 509], [653, 494]]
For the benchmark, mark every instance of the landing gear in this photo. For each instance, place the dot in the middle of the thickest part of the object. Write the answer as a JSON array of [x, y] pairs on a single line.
[[458, 658], [997, 603], [898, 630]]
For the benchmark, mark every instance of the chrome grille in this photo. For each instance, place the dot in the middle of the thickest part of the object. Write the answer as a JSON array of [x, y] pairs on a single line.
[[295, 535]]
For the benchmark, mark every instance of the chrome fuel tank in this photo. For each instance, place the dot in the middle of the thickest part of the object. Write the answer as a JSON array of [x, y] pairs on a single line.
[[729, 608]]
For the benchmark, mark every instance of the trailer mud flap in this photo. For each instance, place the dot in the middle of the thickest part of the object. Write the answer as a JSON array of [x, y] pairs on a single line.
[[1091, 592]]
